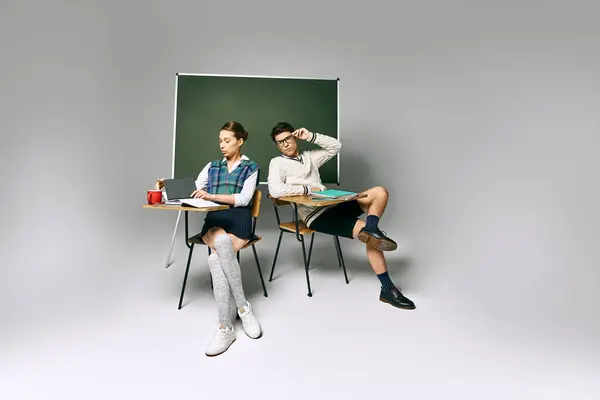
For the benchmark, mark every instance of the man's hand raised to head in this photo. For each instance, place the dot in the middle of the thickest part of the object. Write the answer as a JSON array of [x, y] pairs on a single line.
[[302, 133]]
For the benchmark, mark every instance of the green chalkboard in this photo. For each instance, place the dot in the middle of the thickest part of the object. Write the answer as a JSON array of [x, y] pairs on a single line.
[[205, 102]]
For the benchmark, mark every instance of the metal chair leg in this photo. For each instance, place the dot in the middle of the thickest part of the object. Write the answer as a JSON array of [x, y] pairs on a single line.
[[337, 241], [309, 294], [262, 281], [312, 238], [337, 252], [275, 258], [187, 269]]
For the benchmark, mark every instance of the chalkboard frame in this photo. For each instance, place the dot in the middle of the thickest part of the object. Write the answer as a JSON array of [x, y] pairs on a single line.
[[175, 108]]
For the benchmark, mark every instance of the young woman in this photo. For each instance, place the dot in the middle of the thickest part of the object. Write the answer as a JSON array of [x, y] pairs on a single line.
[[231, 180]]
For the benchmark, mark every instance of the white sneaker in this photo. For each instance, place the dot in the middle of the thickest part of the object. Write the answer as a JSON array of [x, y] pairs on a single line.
[[223, 338], [249, 322]]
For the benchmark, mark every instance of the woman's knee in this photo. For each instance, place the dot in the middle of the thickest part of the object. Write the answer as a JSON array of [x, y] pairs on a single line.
[[209, 237], [214, 232], [222, 239]]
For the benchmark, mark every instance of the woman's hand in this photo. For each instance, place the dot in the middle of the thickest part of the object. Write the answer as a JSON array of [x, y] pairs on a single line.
[[201, 194]]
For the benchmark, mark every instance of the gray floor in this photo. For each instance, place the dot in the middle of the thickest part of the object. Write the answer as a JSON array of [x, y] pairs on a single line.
[[134, 343], [482, 121]]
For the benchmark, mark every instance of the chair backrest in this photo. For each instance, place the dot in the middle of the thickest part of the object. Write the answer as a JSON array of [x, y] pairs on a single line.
[[276, 203], [255, 208], [256, 203]]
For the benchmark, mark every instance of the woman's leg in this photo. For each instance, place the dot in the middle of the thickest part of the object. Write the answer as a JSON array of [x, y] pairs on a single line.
[[231, 267], [221, 290], [226, 246], [225, 334], [208, 239]]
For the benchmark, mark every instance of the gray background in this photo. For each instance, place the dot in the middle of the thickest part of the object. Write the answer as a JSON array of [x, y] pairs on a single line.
[[480, 117]]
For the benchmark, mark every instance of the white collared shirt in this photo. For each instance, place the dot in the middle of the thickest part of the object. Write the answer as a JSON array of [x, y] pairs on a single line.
[[245, 196]]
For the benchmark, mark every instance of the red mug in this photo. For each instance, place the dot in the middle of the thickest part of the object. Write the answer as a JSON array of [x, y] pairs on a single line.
[[154, 196]]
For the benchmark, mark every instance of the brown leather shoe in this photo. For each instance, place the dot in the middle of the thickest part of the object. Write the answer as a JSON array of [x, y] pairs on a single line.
[[376, 238]]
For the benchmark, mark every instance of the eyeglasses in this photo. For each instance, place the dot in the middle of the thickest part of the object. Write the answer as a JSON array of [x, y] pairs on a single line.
[[287, 140]]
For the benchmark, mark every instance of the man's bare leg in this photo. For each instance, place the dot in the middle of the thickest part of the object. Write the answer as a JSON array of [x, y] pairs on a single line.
[[375, 256], [374, 205], [389, 292], [376, 201]]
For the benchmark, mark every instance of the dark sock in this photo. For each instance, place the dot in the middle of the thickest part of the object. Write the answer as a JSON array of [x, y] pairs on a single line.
[[372, 221], [386, 282]]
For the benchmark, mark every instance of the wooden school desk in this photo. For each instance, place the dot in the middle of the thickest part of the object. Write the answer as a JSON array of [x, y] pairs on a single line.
[[186, 210], [309, 201]]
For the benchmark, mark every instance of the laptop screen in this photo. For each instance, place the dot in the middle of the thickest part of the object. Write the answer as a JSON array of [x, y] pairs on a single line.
[[179, 188]]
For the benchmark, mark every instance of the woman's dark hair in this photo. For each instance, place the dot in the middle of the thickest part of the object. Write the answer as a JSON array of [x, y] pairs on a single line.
[[280, 128], [237, 129]]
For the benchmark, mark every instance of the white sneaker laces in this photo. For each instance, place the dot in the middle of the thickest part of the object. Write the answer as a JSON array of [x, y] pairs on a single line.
[[247, 317], [222, 332]]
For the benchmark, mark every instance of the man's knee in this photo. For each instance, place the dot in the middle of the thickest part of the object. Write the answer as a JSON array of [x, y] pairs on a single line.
[[382, 190]]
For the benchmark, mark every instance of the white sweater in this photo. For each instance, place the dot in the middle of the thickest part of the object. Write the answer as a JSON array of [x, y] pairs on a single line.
[[290, 176]]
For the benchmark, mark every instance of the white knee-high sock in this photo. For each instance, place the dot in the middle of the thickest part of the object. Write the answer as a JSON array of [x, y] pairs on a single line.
[[231, 268], [221, 289]]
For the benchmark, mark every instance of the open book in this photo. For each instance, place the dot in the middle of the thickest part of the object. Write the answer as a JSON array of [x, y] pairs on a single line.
[[198, 203], [333, 194]]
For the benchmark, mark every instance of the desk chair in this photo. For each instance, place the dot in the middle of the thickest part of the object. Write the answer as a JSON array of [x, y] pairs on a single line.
[[197, 239], [300, 230]]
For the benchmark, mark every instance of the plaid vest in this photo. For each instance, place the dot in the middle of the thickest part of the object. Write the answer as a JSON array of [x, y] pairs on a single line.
[[220, 181]]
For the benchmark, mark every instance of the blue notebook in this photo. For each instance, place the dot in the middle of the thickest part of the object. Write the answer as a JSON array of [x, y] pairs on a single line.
[[333, 194]]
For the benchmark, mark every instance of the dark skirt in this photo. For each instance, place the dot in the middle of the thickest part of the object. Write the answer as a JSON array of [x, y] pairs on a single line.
[[234, 220]]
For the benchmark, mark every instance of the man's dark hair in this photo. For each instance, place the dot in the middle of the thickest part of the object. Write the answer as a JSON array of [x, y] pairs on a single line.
[[280, 128]]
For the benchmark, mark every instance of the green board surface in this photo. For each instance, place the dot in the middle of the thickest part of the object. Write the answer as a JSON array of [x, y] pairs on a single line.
[[205, 102]]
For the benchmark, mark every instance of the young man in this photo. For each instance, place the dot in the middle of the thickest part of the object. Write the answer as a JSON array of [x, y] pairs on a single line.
[[293, 173]]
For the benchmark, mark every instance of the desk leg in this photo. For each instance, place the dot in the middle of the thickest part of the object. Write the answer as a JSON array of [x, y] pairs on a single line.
[[168, 263]]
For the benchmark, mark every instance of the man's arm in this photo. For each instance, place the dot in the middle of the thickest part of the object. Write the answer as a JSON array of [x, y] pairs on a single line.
[[330, 147], [277, 185]]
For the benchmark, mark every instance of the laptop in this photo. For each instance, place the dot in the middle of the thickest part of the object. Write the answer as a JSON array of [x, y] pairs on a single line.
[[179, 188]]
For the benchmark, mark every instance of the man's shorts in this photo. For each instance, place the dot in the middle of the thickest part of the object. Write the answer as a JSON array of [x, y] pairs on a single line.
[[338, 220]]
